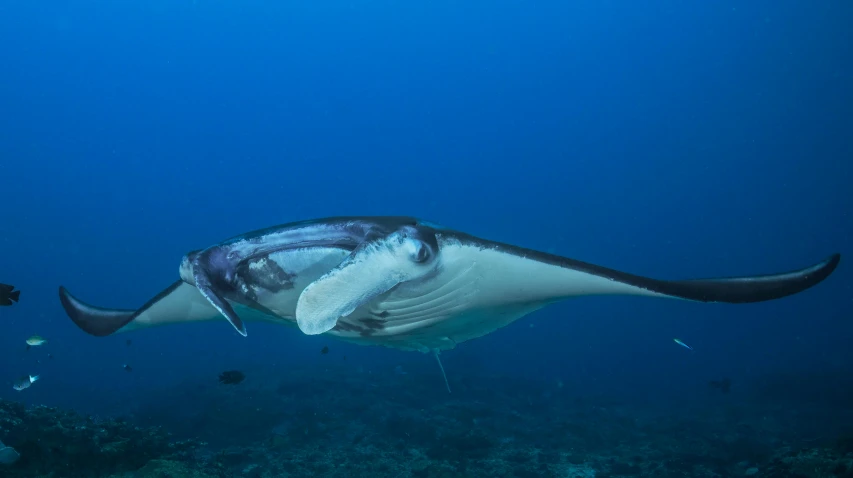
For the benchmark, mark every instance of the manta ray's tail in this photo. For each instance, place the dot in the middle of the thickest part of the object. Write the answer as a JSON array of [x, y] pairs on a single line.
[[446, 383]]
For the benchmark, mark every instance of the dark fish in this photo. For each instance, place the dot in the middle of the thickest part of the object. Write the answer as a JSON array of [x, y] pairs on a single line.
[[325, 350], [128, 342], [127, 368], [50, 356], [231, 377], [723, 385], [8, 294]]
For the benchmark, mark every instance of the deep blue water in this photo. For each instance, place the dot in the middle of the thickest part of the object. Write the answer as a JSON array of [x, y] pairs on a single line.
[[670, 139]]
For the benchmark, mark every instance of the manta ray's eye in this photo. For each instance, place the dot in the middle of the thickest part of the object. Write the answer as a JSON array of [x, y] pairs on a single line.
[[422, 252]]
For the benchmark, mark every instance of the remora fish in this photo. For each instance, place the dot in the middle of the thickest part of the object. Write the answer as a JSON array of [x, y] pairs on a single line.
[[398, 282]]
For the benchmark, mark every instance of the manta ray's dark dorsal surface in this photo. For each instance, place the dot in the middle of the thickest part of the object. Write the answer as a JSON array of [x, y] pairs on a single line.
[[398, 282]]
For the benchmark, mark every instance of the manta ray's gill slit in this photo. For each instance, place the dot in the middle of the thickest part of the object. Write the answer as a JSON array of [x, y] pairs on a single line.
[[347, 329], [370, 327], [438, 305], [371, 323], [435, 299], [421, 320], [414, 323], [455, 300]]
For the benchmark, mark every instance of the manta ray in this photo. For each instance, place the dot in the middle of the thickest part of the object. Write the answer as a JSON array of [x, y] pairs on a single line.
[[398, 282]]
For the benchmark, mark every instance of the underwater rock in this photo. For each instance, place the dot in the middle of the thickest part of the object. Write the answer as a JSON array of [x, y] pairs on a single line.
[[811, 463], [8, 455], [170, 468], [64, 443]]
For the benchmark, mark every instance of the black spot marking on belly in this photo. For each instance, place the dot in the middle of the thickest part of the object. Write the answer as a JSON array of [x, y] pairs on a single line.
[[372, 324], [383, 314], [265, 273], [342, 326], [364, 327]]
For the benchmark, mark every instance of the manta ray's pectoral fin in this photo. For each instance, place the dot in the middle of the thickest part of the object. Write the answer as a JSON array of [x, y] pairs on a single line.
[[202, 282], [372, 269], [741, 290], [180, 302], [93, 320]]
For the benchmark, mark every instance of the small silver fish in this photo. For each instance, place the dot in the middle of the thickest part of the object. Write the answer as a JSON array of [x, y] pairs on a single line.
[[25, 382], [679, 342], [35, 341]]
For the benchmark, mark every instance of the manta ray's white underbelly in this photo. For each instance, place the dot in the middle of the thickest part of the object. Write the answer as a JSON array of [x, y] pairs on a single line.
[[474, 291]]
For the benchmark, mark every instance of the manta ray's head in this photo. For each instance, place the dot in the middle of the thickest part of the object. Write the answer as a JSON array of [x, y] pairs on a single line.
[[211, 271], [405, 256], [216, 262], [186, 269]]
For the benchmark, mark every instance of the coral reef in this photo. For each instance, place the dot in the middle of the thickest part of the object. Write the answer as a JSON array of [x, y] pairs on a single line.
[[811, 463], [338, 423], [61, 443]]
